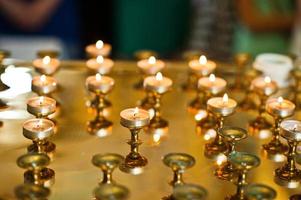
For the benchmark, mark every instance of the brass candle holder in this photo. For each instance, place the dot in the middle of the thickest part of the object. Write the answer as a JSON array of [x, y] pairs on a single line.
[[100, 86], [279, 109], [260, 192], [107, 163], [111, 192], [264, 87], [46, 65], [243, 162], [189, 191], [241, 61], [134, 119], [41, 107], [178, 162], [3, 54], [232, 135], [289, 175], [296, 89], [39, 131], [157, 85], [31, 191], [36, 169], [221, 107]]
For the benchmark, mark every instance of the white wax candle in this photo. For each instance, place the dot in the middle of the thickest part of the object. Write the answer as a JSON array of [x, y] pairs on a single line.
[[212, 84], [202, 66], [100, 65], [46, 65], [38, 129], [99, 49], [150, 66], [280, 107], [264, 85], [43, 84], [221, 105], [157, 83], [100, 84], [41, 106], [134, 118]]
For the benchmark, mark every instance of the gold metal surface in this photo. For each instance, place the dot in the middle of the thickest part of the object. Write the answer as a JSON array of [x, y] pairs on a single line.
[[76, 177]]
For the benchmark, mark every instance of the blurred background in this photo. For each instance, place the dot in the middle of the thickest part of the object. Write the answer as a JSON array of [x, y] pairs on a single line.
[[218, 28]]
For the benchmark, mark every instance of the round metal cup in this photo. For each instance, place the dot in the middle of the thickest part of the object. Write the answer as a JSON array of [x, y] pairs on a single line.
[[107, 161], [232, 133], [243, 160], [38, 135], [260, 192], [178, 161], [33, 161], [31, 191], [111, 192], [37, 110], [188, 192], [290, 130]]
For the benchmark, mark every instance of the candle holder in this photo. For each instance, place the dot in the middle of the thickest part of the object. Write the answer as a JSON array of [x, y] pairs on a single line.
[[41, 107], [98, 49], [107, 163], [264, 87], [178, 162], [135, 120], [36, 169], [221, 107], [260, 192], [31, 191], [279, 109], [39, 130], [46, 65], [3, 54], [232, 135], [288, 175], [296, 89], [111, 191], [241, 61], [100, 65], [243, 163], [189, 191]]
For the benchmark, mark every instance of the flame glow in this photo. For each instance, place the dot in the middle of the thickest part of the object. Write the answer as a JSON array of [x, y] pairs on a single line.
[[202, 60], [99, 59], [152, 60], [225, 98], [43, 78], [156, 137], [159, 76], [280, 100], [136, 111], [98, 77], [212, 78], [41, 99], [46, 60], [40, 123], [99, 44], [267, 79]]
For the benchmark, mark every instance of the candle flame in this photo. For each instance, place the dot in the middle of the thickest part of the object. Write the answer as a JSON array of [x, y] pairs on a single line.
[[98, 77], [280, 100], [295, 127], [40, 123], [225, 98], [46, 60], [41, 99], [267, 79], [212, 78], [99, 59], [99, 44], [152, 60], [136, 111], [156, 137], [202, 60], [159, 76], [43, 78]]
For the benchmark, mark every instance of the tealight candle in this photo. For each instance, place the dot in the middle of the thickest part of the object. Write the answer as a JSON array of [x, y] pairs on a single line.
[[46, 65], [202, 66], [157, 83], [99, 49], [99, 84], [212, 84], [223, 106], [291, 129], [43, 84], [280, 107], [151, 66], [134, 118], [100, 65], [264, 85], [38, 129], [41, 106]]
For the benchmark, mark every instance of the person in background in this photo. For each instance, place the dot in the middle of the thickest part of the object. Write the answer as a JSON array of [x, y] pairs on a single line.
[[47, 19], [263, 26]]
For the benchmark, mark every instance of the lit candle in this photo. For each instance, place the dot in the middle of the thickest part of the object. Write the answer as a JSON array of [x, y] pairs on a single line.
[[223, 106], [291, 130], [46, 65], [202, 66], [100, 65], [157, 83], [100, 84], [99, 49], [280, 107], [264, 85], [43, 106], [212, 84], [43, 84], [134, 118], [38, 129], [151, 66]]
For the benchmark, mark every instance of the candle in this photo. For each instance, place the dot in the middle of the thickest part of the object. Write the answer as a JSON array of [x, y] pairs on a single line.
[[99, 49], [280, 107], [212, 84], [151, 66], [157, 83], [43, 84], [99, 84], [41, 106], [38, 129], [264, 85], [291, 130], [202, 66], [221, 105], [134, 118], [46, 65], [100, 65]]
